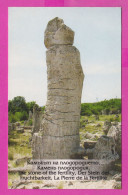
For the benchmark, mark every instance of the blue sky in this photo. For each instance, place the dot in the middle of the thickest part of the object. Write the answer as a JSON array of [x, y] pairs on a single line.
[[97, 36]]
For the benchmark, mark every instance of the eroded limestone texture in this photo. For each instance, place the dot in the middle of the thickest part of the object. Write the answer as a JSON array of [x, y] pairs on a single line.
[[115, 133], [104, 149], [59, 134]]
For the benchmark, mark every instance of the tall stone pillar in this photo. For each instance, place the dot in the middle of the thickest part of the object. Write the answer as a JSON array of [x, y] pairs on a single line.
[[37, 119], [59, 134]]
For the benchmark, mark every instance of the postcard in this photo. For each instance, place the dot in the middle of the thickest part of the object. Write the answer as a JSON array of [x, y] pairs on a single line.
[[64, 97]]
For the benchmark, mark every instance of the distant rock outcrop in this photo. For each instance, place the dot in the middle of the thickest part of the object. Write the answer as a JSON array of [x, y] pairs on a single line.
[[37, 119]]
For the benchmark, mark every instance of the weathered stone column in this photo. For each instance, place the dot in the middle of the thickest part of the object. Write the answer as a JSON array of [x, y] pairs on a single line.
[[37, 119], [59, 134]]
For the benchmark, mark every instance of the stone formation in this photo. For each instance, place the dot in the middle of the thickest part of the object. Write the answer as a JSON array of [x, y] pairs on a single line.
[[58, 137]]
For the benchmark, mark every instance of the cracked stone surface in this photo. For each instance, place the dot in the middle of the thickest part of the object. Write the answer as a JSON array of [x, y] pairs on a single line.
[[104, 150], [115, 133], [58, 137], [57, 33]]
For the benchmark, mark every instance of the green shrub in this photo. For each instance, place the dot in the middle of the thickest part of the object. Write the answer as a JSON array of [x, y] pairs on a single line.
[[12, 118], [43, 109], [113, 105], [29, 122], [111, 119], [18, 116], [10, 156], [117, 119]]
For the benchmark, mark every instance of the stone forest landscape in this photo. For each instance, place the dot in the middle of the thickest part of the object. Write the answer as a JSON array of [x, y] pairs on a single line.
[[64, 128]]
